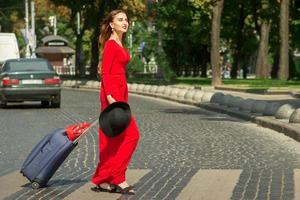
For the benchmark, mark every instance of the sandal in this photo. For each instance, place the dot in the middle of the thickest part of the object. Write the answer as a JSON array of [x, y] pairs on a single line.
[[98, 188], [124, 190]]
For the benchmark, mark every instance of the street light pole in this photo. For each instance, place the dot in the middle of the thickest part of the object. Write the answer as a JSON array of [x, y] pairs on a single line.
[[33, 30], [130, 39], [78, 23], [55, 30], [27, 54]]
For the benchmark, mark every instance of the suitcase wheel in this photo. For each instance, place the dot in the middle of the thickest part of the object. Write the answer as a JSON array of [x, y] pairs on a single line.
[[35, 185]]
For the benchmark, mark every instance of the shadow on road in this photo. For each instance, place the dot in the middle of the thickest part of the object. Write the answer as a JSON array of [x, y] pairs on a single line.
[[25, 105], [201, 114]]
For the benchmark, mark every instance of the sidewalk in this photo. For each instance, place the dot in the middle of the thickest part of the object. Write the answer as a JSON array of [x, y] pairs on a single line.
[[280, 112], [273, 119]]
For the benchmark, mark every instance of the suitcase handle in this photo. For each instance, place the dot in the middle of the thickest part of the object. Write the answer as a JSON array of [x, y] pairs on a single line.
[[85, 132]]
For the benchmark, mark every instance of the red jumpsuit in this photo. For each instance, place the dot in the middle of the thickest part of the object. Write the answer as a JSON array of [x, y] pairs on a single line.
[[115, 152]]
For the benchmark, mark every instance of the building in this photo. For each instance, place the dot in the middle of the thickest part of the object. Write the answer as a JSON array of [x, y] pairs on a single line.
[[57, 51]]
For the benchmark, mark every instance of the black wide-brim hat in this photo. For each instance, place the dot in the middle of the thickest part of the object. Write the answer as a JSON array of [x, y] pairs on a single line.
[[115, 118]]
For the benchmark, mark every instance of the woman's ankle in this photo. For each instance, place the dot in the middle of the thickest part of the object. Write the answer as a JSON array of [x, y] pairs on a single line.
[[123, 185], [105, 186]]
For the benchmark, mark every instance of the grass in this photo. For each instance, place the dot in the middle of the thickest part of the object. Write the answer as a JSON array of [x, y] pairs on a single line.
[[242, 83], [234, 83]]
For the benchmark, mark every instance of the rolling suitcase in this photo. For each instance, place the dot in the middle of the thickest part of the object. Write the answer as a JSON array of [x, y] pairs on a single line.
[[45, 158]]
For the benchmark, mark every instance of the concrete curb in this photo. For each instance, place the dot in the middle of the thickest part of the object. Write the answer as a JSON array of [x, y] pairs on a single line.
[[258, 91], [267, 122], [264, 113]]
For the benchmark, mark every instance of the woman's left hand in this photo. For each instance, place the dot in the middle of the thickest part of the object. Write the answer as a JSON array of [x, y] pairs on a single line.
[[110, 99]]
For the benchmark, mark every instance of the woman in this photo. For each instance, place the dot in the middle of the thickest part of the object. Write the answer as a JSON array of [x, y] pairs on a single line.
[[115, 152]]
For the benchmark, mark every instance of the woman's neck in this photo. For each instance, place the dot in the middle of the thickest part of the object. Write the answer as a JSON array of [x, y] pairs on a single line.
[[117, 37]]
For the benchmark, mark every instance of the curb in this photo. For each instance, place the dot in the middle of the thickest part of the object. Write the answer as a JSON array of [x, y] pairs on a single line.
[[296, 94], [246, 109], [267, 122], [279, 126], [257, 91]]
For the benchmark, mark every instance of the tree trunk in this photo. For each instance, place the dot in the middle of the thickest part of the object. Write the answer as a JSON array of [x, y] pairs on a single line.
[[274, 71], [95, 55], [262, 65], [215, 42], [94, 39], [111, 5], [283, 73], [238, 57], [79, 57], [204, 60]]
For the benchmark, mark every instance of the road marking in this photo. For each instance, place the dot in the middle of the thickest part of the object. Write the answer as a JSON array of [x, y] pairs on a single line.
[[204, 185], [11, 183], [211, 185], [297, 183], [84, 192]]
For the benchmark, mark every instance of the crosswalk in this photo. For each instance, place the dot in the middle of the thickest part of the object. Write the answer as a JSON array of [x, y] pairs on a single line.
[[84, 192], [11, 183], [211, 185], [297, 183], [205, 184]]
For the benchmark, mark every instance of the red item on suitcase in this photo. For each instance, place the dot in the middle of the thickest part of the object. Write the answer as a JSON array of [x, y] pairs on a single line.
[[75, 130]]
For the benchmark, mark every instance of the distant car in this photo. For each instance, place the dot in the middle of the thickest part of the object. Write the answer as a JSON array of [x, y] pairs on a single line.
[[8, 47], [32, 79]]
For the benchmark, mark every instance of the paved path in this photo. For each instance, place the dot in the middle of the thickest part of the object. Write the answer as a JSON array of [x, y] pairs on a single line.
[[185, 152], [205, 184]]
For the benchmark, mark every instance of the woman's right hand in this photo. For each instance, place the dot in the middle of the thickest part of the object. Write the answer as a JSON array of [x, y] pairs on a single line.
[[99, 70], [110, 99]]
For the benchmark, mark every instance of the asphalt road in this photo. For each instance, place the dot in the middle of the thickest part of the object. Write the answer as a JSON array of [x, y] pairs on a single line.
[[178, 144]]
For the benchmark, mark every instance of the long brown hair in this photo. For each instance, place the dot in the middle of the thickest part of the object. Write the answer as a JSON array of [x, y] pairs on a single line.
[[106, 30]]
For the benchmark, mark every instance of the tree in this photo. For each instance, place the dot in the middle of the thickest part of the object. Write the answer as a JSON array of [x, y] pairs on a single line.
[[283, 73], [184, 34], [262, 65], [134, 9], [92, 14], [12, 13], [215, 42], [81, 7]]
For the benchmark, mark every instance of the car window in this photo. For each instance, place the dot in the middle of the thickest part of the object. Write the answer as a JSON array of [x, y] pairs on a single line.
[[29, 66], [4, 68]]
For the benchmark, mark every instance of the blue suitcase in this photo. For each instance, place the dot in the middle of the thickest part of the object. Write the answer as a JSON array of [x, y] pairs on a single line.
[[45, 158]]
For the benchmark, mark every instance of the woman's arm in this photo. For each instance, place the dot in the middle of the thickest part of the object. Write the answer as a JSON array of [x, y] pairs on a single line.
[[109, 53]]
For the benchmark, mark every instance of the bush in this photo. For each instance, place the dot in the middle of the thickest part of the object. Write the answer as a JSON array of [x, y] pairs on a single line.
[[135, 65], [165, 72], [297, 68]]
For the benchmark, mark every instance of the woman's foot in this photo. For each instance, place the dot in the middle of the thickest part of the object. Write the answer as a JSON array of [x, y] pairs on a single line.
[[104, 187], [125, 188]]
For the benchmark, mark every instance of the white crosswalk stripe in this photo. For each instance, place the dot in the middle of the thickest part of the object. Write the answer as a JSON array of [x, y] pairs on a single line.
[[208, 184], [11, 183], [211, 185], [84, 192], [297, 183]]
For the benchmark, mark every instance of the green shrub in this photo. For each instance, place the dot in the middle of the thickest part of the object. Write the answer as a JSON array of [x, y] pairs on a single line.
[[165, 72], [297, 67], [136, 65]]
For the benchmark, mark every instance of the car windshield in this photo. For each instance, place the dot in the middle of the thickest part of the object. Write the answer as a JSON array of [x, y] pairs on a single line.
[[39, 65]]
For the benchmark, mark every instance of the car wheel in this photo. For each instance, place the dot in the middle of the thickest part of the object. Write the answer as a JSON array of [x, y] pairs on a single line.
[[2, 104], [55, 103], [45, 103]]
